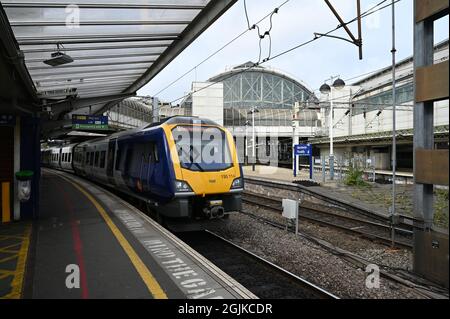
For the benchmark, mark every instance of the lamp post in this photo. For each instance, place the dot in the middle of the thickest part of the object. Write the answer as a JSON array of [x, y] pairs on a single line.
[[252, 111], [326, 89], [247, 123]]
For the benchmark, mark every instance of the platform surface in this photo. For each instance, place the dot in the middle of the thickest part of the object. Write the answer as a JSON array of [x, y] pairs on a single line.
[[88, 243]]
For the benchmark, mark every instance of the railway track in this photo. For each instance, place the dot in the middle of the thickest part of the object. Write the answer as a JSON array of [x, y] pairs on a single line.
[[338, 219], [405, 221], [265, 279], [426, 289]]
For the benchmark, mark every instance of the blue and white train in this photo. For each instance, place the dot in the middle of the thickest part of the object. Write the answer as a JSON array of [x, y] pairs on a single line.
[[183, 167]]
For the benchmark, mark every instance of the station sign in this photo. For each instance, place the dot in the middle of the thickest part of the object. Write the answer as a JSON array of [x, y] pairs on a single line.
[[89, 122], [303, 149], [7, 120]]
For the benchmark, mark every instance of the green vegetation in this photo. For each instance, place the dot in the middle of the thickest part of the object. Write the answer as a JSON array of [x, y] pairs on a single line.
[[354, 177], [441, 207]]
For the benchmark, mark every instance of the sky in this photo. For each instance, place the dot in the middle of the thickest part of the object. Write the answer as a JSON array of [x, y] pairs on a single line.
[[295, 23]]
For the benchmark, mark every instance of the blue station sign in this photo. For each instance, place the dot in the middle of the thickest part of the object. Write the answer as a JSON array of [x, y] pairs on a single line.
[[89, 122], [303, 149]]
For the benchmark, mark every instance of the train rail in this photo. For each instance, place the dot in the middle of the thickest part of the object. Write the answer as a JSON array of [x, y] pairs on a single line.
[[406, 222], [263, 278], [423, 288], [338, 219]]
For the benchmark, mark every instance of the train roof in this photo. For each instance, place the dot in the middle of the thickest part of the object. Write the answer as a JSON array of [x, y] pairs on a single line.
[[177, 119]]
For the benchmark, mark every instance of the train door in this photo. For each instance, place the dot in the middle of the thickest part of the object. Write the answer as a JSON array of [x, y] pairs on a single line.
[[59, 158], [110, 160]]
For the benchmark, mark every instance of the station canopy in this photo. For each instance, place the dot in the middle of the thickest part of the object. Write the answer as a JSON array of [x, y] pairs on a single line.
[[117, 47]]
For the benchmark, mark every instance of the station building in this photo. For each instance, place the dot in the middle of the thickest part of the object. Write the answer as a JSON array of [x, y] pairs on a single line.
[[288, 108], [363, 118], [232, 96]]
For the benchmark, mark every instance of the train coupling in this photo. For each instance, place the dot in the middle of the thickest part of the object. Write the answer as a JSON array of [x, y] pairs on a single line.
[[214, 209]]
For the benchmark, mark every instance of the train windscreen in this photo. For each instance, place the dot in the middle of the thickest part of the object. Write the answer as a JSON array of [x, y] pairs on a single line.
[[202, 148]]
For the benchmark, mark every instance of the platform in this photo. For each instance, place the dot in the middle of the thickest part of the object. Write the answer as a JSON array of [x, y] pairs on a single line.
[[117, 251]]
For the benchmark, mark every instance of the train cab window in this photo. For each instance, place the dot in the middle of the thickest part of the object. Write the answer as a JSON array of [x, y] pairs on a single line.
[[96, 159], [102, 159], [69, 157]]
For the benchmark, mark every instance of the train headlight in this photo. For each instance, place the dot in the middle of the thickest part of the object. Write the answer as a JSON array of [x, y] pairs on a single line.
[[182, 186], [237, 183]]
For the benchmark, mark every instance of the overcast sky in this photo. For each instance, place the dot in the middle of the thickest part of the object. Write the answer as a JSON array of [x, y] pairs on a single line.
[[295, 23]]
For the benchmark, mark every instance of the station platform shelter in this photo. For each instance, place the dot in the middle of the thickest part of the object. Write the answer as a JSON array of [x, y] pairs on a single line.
[[54, 65]]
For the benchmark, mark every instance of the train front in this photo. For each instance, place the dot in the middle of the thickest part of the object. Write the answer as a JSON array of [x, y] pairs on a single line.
[[208, 180]]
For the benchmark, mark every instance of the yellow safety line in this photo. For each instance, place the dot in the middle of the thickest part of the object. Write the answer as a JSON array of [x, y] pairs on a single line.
[[4, 237], [8, 247], [6, 273], [149, 280], [9, 258], [8, 251], [19, 273]]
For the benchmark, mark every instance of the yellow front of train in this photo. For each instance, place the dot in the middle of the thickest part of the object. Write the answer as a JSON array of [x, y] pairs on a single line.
[[206, 167]]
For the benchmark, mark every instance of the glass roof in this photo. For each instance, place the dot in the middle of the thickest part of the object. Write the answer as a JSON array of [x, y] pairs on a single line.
[[112, 46]]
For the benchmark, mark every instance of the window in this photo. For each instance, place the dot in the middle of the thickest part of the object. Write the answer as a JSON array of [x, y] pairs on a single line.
[[96, 159], [69, 157], [118, 159], [91, 159], [155, 154], [102, 159], [87, 158], [210, 153]]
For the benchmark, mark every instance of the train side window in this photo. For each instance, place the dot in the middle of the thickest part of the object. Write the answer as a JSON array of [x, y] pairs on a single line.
[[154, 156], [91, 159], [87, 158], [96, 159], [102, 159], [118, 156]]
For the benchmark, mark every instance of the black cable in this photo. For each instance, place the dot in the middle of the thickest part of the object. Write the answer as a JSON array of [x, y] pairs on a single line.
[[246, 15], [221, 48], [365, 14]]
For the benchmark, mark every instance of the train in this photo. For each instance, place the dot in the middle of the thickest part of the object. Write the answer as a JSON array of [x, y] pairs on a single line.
[[182, 167]]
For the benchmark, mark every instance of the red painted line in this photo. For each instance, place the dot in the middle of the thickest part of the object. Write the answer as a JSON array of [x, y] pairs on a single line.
[[77, 244]]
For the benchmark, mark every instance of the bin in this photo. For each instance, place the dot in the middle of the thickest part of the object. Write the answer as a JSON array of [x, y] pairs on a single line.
[[24, 185]]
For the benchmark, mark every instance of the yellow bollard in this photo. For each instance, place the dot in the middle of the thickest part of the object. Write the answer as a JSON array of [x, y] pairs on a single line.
[[6, 206]]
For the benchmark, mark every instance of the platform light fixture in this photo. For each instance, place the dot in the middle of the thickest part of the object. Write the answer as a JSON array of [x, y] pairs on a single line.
[[58, 58], [338, 84], [252, 111]]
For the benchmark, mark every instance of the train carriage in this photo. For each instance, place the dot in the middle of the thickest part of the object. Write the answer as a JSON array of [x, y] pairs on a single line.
[[184, 167]]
